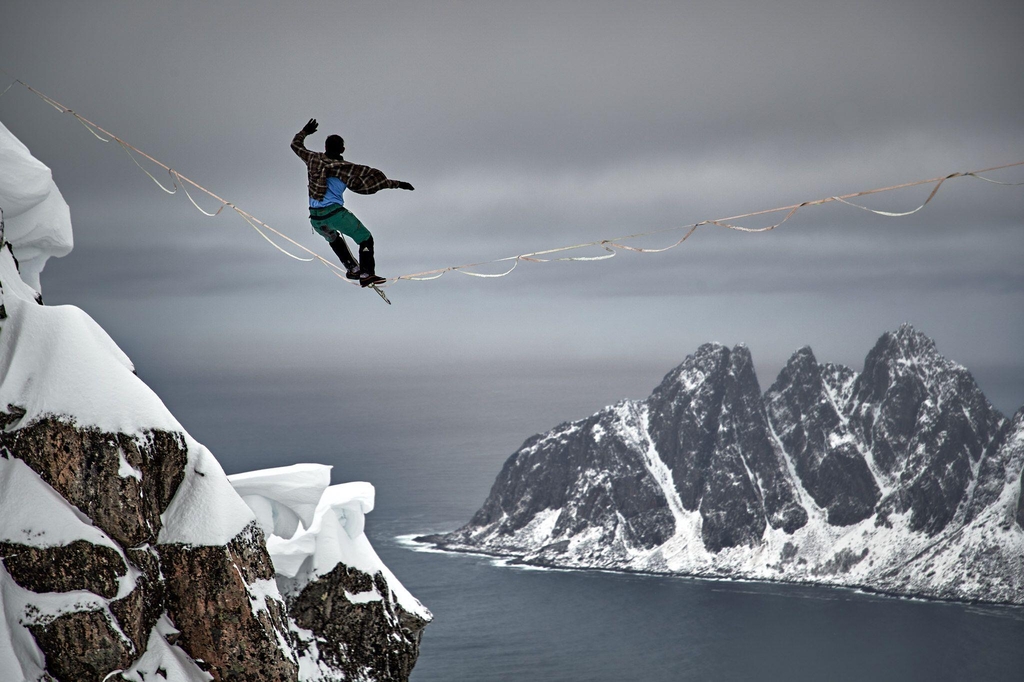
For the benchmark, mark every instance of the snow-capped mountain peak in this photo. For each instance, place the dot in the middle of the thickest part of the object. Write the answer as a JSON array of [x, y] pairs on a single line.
[[902, 478]]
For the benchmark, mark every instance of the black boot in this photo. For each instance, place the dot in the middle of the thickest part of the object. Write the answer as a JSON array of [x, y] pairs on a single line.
[[367, 265], [366, 261], [340, 248]]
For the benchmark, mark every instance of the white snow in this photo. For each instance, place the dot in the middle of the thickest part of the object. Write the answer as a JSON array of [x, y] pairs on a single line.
[[311, 667], [37, 219], [125, 469], [283, 496], [334, 534], [687, 524], [19, 654], [173, 661], [259, 590], [538, 532], [363, 597], [205, 510], [55, 360], [10, 280]]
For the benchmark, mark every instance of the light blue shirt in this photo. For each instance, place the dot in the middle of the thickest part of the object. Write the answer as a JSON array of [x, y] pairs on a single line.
[[333, 197]]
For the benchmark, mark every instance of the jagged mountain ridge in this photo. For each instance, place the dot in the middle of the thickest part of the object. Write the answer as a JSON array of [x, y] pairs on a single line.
[[901, 478]]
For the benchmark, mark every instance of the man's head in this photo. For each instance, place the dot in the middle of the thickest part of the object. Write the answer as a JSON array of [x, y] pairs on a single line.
[[334, 146]]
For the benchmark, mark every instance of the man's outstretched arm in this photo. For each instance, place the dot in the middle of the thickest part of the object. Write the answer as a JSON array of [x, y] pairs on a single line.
[[298, 142], [367, 180]]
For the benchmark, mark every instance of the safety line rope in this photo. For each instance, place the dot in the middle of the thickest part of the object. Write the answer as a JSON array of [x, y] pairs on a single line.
[[180, 181], [612, 245]]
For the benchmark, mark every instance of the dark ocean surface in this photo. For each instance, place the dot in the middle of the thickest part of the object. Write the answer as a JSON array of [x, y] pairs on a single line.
[[432, 440]]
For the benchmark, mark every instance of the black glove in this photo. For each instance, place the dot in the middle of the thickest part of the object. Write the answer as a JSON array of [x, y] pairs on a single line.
[[310, 127], [404, 185]]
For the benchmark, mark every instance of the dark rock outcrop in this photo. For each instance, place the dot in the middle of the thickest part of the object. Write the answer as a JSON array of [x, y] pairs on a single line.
[[807, 420], [709, 426], [207, 584], [373, 638], [138, 611], [81, 646], [927, 424], [123, 484], [78, 565]]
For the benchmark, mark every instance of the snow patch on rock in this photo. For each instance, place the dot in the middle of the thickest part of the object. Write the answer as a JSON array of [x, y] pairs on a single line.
[[205, 510], [34, 514], [164, 661]]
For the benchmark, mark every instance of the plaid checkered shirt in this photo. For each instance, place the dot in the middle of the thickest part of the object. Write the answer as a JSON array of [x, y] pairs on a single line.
[[359, 179]]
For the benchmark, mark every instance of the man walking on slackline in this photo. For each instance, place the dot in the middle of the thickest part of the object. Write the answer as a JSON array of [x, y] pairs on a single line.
[[329, 176]]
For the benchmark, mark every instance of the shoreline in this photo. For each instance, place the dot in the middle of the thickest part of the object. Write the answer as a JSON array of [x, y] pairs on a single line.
[[415, 542]]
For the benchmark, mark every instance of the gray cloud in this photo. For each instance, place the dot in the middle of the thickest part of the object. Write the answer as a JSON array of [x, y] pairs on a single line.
[[527, 126]]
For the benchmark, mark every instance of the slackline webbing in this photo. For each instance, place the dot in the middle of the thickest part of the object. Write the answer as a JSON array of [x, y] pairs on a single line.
[[612, 245]]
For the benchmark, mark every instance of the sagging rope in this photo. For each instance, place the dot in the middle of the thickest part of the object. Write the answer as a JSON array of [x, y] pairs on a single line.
[[612, 245], [179, 181], [615, 242]]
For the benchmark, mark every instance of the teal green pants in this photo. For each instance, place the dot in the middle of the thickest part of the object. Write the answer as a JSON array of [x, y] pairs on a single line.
[[331, 221]]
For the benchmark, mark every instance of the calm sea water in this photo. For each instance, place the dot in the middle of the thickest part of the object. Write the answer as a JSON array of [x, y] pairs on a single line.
[[432, 442], [495, 623]]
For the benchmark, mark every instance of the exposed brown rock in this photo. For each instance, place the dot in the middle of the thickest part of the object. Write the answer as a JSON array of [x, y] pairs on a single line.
[[203, 590], [82, 464], [11, 415], [81, 647], [79, 565], [377, 639], [139, 611], [208, 602]]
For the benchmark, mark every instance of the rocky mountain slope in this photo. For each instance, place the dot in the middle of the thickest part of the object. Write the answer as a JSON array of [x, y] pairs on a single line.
[[902, 478], [125, 551]]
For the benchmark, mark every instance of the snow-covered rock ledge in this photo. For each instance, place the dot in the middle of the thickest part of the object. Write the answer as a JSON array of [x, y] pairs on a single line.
[[125, 551], [334, 583]]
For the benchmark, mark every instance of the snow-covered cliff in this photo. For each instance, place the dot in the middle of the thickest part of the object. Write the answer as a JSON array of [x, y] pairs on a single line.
[[125, 550], [37, 219], [902, 479]]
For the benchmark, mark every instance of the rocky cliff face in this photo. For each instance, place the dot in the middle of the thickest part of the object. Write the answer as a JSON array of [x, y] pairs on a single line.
[[116, 488], [901, 478], [713, 435], [126, 554], [125, 551], [806, 407]]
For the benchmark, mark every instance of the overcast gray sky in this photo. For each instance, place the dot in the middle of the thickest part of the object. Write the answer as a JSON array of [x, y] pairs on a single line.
[[526, 126]]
